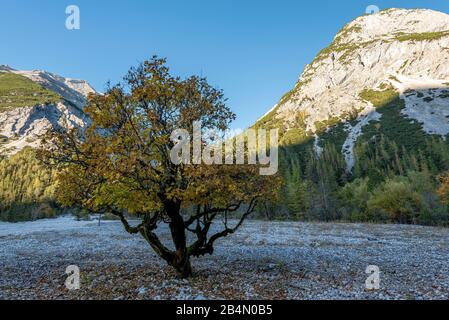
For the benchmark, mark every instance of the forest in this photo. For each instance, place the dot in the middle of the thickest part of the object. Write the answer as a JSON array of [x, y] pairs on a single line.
[[390, 184], [26, 188]]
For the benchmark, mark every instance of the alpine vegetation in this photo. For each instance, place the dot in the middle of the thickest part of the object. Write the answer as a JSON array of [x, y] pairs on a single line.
[[31, 103]]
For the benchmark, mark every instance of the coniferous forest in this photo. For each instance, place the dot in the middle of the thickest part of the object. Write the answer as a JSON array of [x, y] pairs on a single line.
[[389, 184], [26, 188]]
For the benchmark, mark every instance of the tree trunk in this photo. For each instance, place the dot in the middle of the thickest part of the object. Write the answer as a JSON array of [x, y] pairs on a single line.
[[184, 268], [181, 261]]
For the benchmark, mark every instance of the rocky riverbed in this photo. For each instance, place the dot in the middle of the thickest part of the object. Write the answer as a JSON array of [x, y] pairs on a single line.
[[265, 260]]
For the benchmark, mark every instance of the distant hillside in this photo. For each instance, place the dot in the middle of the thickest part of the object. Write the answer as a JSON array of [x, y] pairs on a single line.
[[32, 102], [17, 91]]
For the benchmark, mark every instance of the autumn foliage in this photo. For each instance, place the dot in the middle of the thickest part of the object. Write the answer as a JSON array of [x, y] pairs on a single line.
[[443, 191], [121, 164]]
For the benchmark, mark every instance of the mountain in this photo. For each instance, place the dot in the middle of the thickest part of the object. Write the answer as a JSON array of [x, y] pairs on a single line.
[[395, 55], [364, 132], [32, 102]]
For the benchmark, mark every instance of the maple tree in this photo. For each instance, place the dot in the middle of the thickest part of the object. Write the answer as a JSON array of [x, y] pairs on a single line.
[[121, 164]]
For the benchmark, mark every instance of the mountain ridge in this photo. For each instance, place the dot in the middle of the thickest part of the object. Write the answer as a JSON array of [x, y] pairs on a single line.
[[397, 49], [36, 101]]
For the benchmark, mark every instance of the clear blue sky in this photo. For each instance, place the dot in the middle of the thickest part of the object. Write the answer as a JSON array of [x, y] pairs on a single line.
[[254, 50]]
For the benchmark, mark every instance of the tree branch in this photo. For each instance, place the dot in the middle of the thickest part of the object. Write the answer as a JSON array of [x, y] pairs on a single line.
[[203, 247]]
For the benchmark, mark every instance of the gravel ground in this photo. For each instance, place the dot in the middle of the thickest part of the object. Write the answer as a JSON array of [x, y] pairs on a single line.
[[265, 260]]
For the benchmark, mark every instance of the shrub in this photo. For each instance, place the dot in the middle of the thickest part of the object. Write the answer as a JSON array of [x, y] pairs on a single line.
[[397, 200], [353, 198]]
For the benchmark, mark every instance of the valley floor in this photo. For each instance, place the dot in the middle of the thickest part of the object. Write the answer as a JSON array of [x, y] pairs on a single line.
[[265, 260]]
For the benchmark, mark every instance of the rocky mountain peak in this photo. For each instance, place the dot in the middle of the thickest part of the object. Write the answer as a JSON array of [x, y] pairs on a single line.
[[394, 54], [32, 102], [5, 68], [387, 24], [72, 90]]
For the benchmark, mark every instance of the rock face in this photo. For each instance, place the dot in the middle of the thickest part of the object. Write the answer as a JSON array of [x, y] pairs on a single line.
[[22, 126], [72, 90], [402, 50]]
